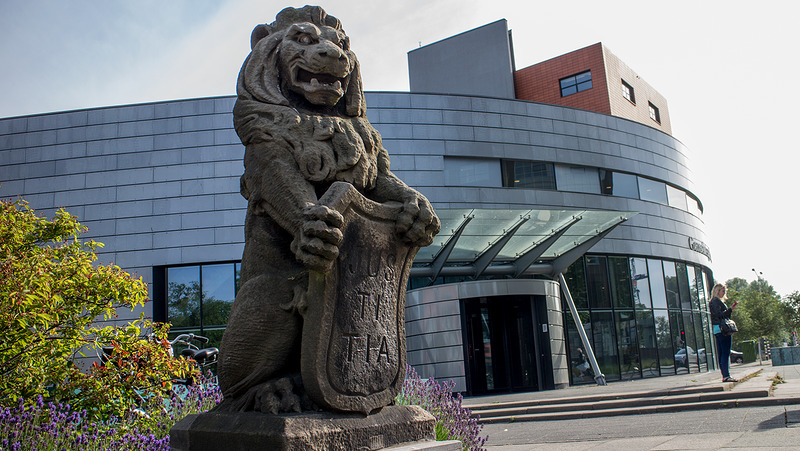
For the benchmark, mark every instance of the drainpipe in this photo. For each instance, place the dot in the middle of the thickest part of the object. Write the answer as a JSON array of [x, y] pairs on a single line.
[[599, 377]]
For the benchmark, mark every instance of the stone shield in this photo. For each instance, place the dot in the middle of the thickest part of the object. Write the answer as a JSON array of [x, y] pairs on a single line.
[[353, 345]]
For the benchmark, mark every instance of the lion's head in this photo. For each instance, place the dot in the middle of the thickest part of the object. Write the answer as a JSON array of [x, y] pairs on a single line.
[[304, 58]]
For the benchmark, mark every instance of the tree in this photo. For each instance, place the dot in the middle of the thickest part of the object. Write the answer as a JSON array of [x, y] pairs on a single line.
[[791, 308], [760, 312], [52, 295]]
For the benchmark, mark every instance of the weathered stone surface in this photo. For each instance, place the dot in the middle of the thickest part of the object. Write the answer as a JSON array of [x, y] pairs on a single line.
[[309, 268], [353, 347], [248, 431]]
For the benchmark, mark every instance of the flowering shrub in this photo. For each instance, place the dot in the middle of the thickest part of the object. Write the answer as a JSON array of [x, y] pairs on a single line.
[[52, 295], [40, 426], [453, 422]]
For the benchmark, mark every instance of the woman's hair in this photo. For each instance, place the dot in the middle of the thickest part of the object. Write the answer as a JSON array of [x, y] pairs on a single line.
[[716, 290]]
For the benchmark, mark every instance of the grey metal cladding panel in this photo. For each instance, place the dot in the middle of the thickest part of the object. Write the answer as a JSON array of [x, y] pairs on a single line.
[[413, 146], [187, 139], [402, 162], [226, 136], [436, 355], [120, 114], [40, 138], [119, 178], [224, 104], [435, 340], [502, 135], [432, 309], [527, 123], [425, 131], [229, 201], [443, 371], [184, 108], [123, 243], [51, 184], [440, 102], [210, 186], [387, 100], [132, 209], [149, 224], [429, 163], [190, 171], [233, 234], [408, 116], [13, 125], [395, 131], [149, 191], [228, 168], [119, 145], [9, 189], [165, 126], [421, 178], [214, 252], [38, 169], [149, 159], [436, 324], [83, 165], [470, 118], [181, 238], [212, 219], [183, 204], [85, 197], [196, 123]]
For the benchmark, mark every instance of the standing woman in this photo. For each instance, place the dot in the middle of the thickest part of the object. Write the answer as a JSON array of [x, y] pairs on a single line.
[[719, 312]]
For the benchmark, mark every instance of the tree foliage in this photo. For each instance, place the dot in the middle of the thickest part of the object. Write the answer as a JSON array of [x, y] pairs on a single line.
[[56, 305], [760, 312]]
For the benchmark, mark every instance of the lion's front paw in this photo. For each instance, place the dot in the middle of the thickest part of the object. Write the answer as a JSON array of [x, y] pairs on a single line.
[[417, 223], [317, 244]]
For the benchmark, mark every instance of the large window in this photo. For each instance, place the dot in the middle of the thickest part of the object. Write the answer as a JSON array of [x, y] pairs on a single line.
[[652, 190], [618, 184], [576, 83], [528, 174], [199, 298], [645, 317]]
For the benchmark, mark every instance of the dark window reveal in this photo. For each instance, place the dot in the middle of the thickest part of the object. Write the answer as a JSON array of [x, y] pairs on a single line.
[[576, 83], [654, 114], [627, 92]]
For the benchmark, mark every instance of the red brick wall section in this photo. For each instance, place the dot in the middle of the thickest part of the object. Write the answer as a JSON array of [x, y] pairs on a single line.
[[539, 83]]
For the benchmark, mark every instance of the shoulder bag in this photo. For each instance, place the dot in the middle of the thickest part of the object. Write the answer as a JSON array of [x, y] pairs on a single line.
[[728, 327]]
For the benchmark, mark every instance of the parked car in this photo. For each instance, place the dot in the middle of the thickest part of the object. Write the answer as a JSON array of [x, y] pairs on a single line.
[[680, 357], [736, 357]]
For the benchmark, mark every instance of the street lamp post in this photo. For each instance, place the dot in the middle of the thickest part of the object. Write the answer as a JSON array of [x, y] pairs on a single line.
[[760, 340]]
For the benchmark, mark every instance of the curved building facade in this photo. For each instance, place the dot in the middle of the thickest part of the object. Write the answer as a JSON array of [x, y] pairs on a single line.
[[544, 208]]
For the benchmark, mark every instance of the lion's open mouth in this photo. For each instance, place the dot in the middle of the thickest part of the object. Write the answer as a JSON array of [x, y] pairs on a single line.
[[319, 80]]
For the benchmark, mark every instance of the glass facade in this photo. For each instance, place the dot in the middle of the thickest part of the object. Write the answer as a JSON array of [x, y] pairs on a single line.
[[644, 317], [199, 298]]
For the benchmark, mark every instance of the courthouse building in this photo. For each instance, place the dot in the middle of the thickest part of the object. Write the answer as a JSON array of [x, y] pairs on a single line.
[[567, 167]]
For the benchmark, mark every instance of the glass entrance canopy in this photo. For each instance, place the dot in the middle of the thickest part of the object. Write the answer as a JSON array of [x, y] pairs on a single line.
[[477, 241]]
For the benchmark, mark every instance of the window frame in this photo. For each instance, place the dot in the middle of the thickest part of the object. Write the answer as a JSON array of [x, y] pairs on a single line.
[[655, 114], [628, 92], [566, 83]]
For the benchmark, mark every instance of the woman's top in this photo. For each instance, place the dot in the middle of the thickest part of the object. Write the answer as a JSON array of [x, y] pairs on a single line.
[[718, 312]]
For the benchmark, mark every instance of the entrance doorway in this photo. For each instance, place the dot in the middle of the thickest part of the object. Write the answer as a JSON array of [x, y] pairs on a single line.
[[501, 344]]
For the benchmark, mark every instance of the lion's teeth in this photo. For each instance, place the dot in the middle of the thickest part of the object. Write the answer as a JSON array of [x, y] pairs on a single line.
[[314, 82], [337, 85]]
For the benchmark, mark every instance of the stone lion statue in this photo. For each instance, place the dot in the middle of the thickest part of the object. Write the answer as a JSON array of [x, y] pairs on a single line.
[[301, 115]]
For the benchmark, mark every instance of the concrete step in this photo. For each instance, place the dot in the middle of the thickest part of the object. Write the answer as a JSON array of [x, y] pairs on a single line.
[[755, 391]]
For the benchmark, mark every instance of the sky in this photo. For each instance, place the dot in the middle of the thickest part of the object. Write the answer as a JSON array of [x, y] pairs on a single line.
[[726, 69]]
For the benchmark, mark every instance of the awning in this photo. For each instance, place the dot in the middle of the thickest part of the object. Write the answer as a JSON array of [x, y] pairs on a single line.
[[476, 242]]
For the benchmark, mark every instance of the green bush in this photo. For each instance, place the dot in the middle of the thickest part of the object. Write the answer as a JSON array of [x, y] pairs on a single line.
[[54, 301]]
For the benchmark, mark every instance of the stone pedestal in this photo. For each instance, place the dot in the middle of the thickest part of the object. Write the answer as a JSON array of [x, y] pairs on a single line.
[[391, 426]]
